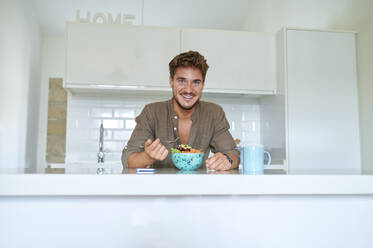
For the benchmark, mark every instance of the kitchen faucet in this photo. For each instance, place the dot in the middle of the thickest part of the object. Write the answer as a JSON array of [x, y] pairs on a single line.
[[100, 154]]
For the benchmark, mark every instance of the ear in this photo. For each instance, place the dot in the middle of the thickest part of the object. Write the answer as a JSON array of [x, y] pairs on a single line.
[[171, 82]]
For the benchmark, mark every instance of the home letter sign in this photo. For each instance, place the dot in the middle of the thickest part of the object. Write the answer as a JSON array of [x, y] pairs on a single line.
[[105, 19]]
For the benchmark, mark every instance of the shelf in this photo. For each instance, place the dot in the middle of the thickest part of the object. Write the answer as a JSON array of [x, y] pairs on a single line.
[[107, 89]]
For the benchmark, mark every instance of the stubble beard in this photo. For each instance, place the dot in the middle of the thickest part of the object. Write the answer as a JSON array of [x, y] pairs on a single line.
[[181, 106]]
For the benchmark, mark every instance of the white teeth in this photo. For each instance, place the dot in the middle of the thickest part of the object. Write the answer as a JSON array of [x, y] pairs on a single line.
[[188, 96]]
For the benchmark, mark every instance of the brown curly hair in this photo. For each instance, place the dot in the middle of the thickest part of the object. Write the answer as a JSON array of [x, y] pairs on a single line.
[[192, 59]]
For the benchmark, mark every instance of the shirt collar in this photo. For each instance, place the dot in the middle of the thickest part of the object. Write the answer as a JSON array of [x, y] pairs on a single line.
[[172, 113]]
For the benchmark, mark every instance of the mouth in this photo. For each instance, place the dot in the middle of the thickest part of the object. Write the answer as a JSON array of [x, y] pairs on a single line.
[[186, 101], [187, 96]]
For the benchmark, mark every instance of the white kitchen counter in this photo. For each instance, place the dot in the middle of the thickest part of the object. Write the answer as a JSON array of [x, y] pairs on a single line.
[[78, 208], [114, 182]]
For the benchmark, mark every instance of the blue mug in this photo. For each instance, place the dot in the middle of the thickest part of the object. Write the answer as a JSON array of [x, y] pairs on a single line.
[[253, 159]]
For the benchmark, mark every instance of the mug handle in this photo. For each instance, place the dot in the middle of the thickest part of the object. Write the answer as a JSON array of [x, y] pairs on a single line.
[[269, 158]]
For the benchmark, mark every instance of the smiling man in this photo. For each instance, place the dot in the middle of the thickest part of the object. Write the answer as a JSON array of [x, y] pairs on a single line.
[[184, 119]]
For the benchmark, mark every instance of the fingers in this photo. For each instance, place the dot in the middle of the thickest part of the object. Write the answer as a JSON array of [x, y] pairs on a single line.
[[156, 150], [218, 162], [148, 142], [159, 152], [164, 154], [212, 160], [152, 144]]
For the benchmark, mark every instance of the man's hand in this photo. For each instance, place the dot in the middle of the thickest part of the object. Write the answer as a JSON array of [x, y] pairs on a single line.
[[155, 150], [218, 162]]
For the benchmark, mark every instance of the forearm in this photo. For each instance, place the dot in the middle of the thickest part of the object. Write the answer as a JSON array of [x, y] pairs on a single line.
[[139, 160]]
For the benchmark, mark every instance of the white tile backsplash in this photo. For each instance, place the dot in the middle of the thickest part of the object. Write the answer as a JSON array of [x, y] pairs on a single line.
[[96, 133], [78, 112], [130, 124], [122, 135], [85, 114], [80, 133], [113, 146], [113, 123], [101, 112], [87, 123], [250, 115], [124, 113]]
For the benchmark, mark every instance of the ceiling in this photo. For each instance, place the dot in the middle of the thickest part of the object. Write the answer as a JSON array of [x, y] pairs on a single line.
[[216, 14]]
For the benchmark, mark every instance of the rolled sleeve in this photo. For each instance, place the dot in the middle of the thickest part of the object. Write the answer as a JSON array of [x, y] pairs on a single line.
[[140, 134], [222, 140]]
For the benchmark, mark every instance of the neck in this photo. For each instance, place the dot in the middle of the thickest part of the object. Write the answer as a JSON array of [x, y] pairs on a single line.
[[183, 113]]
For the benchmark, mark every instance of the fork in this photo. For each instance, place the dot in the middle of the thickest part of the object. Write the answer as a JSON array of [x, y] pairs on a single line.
[[166, 141], [172, 141]]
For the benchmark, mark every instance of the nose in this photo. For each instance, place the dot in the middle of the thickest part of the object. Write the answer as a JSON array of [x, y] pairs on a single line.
[[188, 87]]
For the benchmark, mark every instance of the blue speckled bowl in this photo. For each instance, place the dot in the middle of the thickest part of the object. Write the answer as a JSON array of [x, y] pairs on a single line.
[[187, 172], [187, 161]]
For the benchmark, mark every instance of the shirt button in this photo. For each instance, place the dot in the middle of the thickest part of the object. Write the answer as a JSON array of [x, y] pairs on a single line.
[[175, 117], [175, 128]]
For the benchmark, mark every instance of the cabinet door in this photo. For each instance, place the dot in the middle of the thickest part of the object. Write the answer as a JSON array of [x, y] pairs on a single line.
[[238, 60], [120, 55], [323, 121]]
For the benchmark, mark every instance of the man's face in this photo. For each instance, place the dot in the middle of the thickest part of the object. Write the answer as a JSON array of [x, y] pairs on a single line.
[[187, 85]]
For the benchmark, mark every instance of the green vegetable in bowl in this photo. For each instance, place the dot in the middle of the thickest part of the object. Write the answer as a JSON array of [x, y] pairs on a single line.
[[174, 150], [185, 149]]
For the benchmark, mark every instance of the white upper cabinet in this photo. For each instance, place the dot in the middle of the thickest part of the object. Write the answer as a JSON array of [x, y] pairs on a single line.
[[239, 61], [119, 55], [115, 57]]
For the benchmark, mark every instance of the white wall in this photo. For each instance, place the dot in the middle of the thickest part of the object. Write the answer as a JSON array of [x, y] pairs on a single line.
[[223, 14], [271, 15], [19, 84]]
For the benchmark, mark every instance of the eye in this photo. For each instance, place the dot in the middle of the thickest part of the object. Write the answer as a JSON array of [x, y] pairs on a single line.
[[196, 82], [180, 81]]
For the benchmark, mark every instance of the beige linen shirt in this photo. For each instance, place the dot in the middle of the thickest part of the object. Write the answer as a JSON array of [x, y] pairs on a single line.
[[209, 131]]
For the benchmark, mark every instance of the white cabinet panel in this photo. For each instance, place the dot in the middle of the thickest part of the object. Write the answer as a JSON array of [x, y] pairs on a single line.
[[120, 55], [322, 101], [238, 60]]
